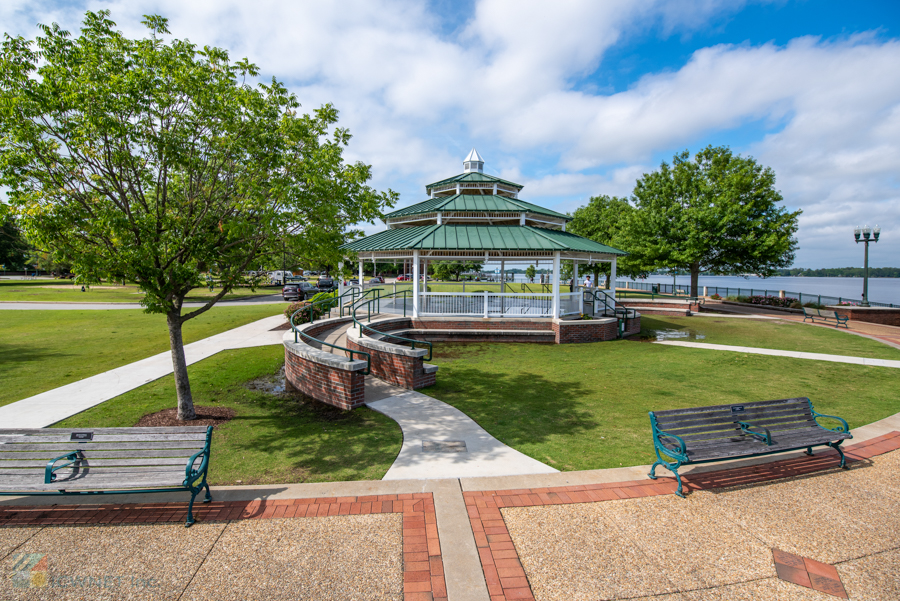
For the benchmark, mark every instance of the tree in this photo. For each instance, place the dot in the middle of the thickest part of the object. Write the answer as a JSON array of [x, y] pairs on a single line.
[[719, 214], [13, 246], [602, 220], [157, 161], [530, 272]]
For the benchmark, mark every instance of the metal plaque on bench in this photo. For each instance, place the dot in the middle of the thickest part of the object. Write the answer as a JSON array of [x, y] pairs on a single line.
[[82, 436]]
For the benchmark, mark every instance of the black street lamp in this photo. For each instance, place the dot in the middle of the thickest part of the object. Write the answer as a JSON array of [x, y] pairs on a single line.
[[868, 235]]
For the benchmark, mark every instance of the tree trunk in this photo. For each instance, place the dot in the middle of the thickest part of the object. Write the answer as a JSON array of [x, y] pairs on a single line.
[[179, 365], [695, 274]]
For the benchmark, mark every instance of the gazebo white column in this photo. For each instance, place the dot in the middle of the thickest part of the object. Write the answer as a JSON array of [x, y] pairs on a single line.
[[502, 276], [415, 274], [555, 309], [612, 278], [360, 277]]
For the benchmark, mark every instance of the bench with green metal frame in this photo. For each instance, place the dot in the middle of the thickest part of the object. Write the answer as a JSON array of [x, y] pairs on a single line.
[[726, 432], [100, 461], [825, 315]]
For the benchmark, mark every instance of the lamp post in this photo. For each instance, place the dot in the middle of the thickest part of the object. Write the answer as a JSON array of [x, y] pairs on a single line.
[[866, 234]]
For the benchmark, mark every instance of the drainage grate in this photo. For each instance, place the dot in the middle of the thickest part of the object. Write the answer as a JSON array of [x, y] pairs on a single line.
[[444, 446]]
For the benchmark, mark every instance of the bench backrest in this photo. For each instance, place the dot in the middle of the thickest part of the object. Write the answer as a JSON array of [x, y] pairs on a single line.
[[721, 421], [127, 454]]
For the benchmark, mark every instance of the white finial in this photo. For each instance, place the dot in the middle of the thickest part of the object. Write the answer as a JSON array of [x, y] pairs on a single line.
[[473, 162]]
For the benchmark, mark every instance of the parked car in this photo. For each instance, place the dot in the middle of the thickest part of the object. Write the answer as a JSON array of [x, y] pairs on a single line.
[[299, 291], [404, 278], [326, 285], [353, 282], [377, 280]]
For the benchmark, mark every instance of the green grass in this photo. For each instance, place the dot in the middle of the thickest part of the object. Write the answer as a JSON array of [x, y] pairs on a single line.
[[772, 334], [584, 406], [41, 350], [272, 439], [66, 291]]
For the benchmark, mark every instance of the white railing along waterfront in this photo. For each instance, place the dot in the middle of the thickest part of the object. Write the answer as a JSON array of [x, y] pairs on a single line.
[[497, 304]]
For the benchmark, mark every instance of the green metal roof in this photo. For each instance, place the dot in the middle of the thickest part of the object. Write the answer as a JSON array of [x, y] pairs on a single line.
[[478, 238], [475, 202], [474, 176]]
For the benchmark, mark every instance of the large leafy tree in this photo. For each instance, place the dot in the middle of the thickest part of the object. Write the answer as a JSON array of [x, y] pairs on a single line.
[[14, 248], [603, 220], [718, 213], [158, 161]]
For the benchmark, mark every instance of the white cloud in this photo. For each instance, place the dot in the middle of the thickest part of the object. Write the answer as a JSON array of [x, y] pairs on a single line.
[[508, 81]]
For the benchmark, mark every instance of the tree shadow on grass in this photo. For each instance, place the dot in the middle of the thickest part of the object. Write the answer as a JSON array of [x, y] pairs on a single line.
[[10, 355], [298, 439]]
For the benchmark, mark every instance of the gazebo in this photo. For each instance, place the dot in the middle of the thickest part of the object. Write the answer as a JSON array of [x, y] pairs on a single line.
[[474, 216]]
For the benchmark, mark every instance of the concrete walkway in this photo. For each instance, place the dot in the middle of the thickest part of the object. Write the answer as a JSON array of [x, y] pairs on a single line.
[[440, 441], [49, 407], [794, 354]]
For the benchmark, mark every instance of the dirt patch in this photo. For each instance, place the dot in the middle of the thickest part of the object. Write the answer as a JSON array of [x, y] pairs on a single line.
[[206, 416]]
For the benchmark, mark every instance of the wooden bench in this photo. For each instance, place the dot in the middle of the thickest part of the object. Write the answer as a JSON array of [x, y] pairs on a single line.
[[724, 432], [95, 461], [830, 315]]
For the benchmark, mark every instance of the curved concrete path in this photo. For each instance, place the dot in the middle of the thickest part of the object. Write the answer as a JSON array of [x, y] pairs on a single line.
[[49, 407], [439, 441], [752, 350]]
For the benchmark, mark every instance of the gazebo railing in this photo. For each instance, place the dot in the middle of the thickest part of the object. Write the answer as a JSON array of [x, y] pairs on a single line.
[[496, 304]]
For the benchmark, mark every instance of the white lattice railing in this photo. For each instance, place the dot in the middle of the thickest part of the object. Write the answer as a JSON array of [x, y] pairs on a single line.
[[496, 304]]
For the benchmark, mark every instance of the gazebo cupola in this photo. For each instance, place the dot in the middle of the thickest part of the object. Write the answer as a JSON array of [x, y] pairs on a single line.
[[474, 198]]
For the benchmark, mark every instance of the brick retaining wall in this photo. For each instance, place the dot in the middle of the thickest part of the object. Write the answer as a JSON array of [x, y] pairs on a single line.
[[332, 381], [883, 315]]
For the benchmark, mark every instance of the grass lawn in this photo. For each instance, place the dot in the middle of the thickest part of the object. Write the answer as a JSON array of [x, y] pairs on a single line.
[[66, 291], [272, 439], [584, 406], [41, 350], [772, 334]]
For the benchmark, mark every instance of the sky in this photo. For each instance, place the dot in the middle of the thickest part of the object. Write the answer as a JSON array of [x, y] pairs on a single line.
[[578, 98]]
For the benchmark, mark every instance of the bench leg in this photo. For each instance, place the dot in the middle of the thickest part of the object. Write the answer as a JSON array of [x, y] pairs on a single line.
[[672, 468], [208, 495], [837, 447], [190, 515]]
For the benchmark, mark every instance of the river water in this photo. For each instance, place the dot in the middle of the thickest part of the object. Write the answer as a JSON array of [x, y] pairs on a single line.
[[882, 290]]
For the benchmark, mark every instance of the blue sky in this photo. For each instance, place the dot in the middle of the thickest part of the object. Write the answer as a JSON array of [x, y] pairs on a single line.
[[580, 97]]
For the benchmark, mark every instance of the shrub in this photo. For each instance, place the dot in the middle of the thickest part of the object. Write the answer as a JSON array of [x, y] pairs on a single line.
[[304, 316], [716, 296], [586, 317], [812, 305], [731, 298], [771, 301], [796, 305], [743, 299]]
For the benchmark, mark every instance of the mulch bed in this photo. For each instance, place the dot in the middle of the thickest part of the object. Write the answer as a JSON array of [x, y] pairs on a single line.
[[285, 326], [206, 416]]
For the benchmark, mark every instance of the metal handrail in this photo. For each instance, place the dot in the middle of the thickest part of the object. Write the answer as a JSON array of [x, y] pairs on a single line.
[[405, 294], [311, 306]]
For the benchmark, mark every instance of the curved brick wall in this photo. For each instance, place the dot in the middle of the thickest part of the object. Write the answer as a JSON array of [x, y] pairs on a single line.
[[394, 363], [322, 375]]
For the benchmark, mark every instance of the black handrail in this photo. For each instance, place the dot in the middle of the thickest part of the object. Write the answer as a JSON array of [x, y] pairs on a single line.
[[405, 294]]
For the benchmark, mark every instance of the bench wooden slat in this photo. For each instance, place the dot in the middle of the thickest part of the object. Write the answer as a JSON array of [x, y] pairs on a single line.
[[754, 404], [91, 462], [103, 438], [183, 453], [125, 472], [99, 479], [719, 416], [759, 446], [67, 431], [777, 434], [724, 426], [72, 445]]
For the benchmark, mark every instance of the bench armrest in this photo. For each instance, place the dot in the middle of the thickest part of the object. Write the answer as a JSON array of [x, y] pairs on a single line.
[[767, 436], [191, 474], [658, 435], [50, 471], [843, 428]]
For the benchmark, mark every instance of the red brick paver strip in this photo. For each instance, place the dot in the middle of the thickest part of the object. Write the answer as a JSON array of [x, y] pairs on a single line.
[[506, 578], [423, 568]]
